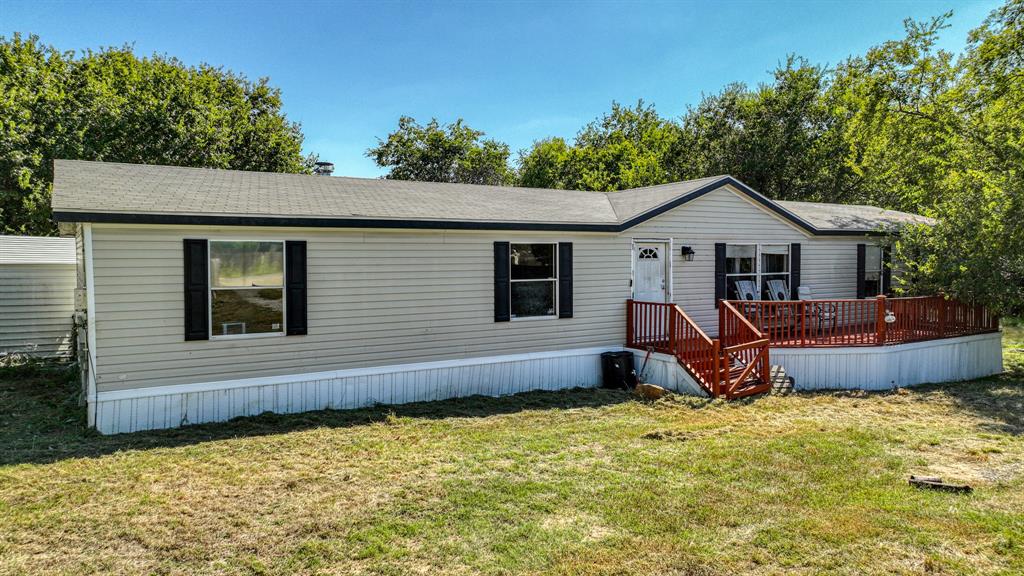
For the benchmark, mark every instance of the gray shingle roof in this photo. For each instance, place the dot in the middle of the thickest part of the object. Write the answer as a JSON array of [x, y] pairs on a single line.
[[149, 189], [851, 217], [105, 191]]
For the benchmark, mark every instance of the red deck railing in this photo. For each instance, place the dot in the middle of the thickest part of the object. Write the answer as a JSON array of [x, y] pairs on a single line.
[[744, 351], [733, 367], [823, 323]]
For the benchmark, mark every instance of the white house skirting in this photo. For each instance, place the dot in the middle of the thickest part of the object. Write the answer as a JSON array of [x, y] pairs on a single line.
[[886, 367], [665, 371], [173, 406]]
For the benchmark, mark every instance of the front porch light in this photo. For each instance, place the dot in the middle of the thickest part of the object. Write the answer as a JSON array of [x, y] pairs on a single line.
[[687, 253]]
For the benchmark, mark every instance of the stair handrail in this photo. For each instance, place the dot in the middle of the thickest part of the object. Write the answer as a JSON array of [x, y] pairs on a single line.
[[727, 307], [666, 327], [699, 353]]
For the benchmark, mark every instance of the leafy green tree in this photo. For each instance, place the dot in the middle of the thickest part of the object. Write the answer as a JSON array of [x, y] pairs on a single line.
[[113, 106], [945, 136], [434, 153], [782, 138], [894, 99], [545, 165], [625, 148]]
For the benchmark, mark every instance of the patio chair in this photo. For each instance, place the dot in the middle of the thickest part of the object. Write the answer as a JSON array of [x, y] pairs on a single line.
[[746, 290], [778, 290], [784, 317], [824, 312]]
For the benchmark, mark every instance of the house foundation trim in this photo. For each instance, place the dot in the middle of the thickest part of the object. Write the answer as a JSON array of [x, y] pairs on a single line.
[[888, 367], [161, 407]]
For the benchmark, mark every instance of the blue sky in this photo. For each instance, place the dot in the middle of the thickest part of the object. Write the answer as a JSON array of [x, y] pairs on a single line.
[[520, 71]]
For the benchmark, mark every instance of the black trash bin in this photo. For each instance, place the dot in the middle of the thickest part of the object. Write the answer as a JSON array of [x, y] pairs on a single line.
[[617, 370]]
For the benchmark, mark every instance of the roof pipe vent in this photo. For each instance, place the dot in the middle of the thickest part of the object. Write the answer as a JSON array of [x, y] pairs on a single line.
[[323, 168]]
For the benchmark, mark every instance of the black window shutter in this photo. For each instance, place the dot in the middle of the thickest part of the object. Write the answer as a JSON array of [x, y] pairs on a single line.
[[502, 286], [197, 290], [719, 273], [565, 279], [794, 271], [861, 258], [886, 271], [295, 287]]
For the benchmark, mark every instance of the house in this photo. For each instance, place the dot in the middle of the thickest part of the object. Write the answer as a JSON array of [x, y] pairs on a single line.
[[212, 294], [37, 295]]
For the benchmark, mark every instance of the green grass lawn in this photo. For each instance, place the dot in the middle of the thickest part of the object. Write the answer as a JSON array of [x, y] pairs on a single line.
[[574, 482]]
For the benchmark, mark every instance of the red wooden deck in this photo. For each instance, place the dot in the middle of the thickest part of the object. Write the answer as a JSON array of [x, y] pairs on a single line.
[[877, 321], [736, 364]]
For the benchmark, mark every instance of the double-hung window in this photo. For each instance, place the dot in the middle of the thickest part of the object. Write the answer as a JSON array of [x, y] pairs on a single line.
[[533, 280], [246, 288], [753, 270], [741, 271], [774, 272]]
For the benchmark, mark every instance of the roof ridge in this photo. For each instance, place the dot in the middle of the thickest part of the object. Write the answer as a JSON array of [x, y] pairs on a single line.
[[667, 184], [385, 179]]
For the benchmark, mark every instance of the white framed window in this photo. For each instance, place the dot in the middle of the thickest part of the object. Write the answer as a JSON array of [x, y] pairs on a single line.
[[873, 264], [246, 288], [533, 280], [752, 270]]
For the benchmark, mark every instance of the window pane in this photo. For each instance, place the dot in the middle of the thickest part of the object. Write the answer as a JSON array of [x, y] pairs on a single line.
[[531, 261], [247, 311], [742, 288], [533, 299], [739, 259], [246, 264], [775, 261], [873, 258], [775, 287], [775, 249]]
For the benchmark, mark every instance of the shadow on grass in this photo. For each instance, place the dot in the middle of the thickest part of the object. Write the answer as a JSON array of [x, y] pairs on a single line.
[[997, 399], [41, 421]]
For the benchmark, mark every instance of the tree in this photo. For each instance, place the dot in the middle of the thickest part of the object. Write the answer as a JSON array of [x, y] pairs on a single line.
[[625, 148], [434, 153], [782, 138], [113, 106], [945, 136]]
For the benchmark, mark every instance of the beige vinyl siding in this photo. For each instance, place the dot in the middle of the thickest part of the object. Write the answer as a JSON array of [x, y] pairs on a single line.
[[36, 305], [828, 263], [395, 297], [374, 298]]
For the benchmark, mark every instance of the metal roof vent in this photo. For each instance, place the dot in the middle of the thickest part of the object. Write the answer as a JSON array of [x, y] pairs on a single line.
[[323, 168]]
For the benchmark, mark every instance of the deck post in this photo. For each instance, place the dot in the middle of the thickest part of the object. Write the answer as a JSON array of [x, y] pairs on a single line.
[[672, 330], [721, 324], [766, 367], [716, 350], [629, 323], [803, 323], [880, 320]]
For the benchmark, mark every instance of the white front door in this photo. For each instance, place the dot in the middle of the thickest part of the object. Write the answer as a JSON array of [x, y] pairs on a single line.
[[650, 268]]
